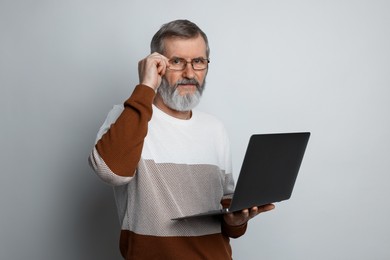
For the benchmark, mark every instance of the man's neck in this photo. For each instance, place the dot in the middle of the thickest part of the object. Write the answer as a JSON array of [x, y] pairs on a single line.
[[159, 103]]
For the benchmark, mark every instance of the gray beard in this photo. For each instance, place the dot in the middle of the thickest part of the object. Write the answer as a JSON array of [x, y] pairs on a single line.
[[174, 100]]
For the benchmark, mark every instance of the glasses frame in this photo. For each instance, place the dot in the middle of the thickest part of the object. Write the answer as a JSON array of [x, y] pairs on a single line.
[[186, 62]]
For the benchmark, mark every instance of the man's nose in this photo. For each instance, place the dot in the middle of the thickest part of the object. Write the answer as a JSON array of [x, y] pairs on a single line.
[[189, 71]]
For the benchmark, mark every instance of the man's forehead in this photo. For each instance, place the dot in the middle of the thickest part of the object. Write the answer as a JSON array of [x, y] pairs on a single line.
[[185, 47]]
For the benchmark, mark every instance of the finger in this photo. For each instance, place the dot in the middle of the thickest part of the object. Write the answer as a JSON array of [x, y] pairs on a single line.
[[162, 64], [267, 207], [161, 68], [254, 212], [245, 213], [229, 218], [151, 69], [160, 57]]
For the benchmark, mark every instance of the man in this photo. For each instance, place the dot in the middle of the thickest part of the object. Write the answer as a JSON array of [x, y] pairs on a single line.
[[167, 160]]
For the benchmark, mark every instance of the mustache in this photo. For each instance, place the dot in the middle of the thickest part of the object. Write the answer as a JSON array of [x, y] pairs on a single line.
[[187, 81]]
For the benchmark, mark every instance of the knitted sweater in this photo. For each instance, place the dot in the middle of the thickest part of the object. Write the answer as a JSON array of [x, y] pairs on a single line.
[[162, 167]]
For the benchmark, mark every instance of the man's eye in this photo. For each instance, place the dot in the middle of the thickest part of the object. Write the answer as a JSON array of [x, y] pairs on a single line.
[[197, 61], [176, 61]]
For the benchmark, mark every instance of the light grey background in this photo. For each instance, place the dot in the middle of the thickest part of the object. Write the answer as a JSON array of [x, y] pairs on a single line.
[[276, 66]]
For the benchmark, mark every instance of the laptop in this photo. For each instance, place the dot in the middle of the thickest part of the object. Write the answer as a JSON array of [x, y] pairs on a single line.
[[268, 172]]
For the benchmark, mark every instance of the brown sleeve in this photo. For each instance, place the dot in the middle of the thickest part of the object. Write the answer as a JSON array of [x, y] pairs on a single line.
[[121, 146], [231, 231]]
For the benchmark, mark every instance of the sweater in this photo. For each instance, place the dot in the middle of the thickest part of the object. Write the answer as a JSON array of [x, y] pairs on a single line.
[[162, 167]]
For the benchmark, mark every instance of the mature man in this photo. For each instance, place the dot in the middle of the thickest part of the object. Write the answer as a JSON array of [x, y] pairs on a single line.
[[167, 160]]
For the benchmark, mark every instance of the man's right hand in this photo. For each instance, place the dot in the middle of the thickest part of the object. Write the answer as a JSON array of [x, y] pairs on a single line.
[[151, 70]]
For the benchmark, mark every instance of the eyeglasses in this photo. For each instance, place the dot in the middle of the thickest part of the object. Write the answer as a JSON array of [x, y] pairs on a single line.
[[180, 63]]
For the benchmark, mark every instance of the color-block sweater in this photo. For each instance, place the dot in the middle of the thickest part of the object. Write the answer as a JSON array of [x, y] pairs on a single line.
[[162, 167]]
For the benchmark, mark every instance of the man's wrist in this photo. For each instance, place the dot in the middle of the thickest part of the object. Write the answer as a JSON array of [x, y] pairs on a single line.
[[234, 231], [148, 85]]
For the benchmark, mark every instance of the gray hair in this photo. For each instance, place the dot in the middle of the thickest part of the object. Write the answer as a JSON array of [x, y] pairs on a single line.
[[179, 28]]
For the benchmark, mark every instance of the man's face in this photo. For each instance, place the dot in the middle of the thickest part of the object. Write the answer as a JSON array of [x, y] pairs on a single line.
[[181, 90]]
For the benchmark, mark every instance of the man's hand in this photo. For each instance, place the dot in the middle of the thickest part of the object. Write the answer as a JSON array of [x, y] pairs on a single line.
[[151, 69], [241, 217]]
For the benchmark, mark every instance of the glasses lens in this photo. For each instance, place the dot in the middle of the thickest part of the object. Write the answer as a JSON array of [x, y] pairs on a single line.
[[199, 63], [177, 64], [180, 64]]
